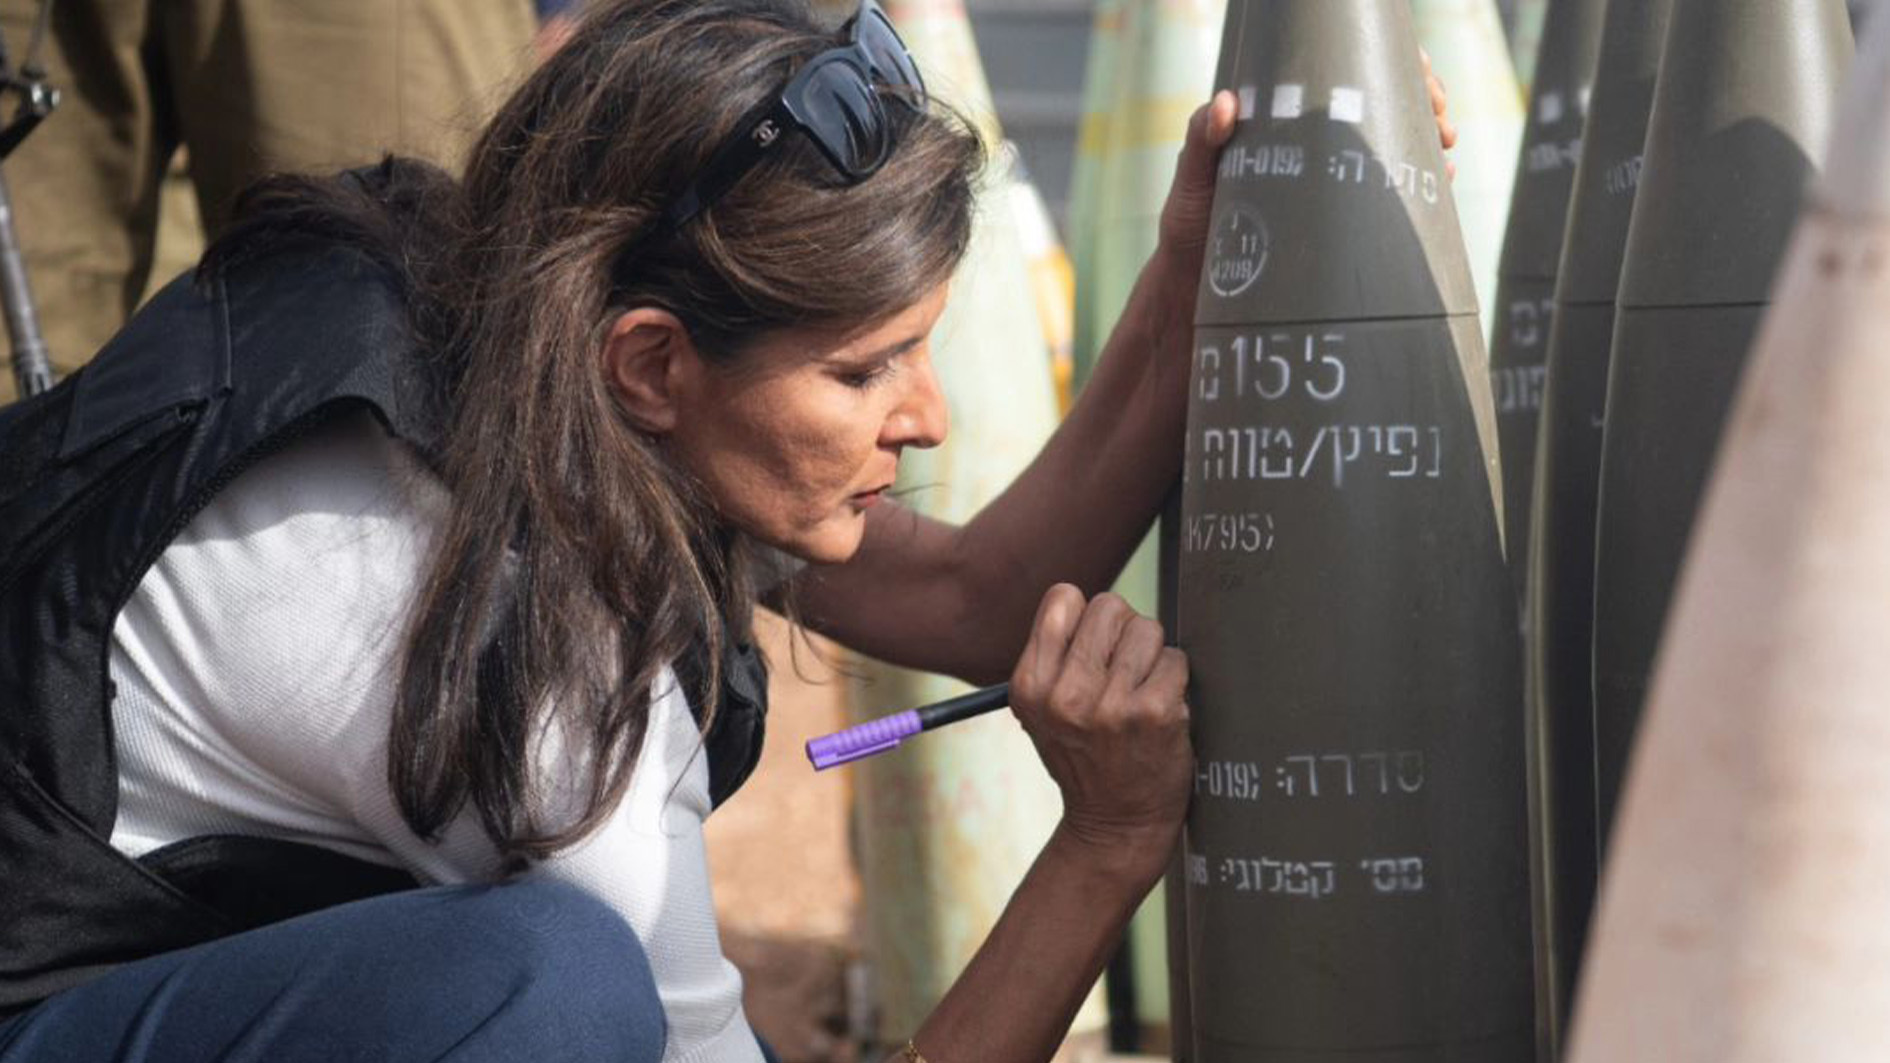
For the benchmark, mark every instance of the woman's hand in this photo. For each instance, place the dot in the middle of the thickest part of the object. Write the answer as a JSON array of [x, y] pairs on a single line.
[[1191, 196], [1103, 699], [1184, 224], [1440, 109]]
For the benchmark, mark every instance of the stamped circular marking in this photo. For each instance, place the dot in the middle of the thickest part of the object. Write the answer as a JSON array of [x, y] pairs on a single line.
[[1237, 252]]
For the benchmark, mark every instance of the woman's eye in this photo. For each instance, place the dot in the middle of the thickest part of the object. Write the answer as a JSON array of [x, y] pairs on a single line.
[[865, 378]]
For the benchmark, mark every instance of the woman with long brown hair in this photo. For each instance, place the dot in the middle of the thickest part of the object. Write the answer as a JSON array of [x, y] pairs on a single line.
[[377, 602]]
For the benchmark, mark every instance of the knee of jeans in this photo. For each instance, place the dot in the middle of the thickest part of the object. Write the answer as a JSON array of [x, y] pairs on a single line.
[[579, 961]]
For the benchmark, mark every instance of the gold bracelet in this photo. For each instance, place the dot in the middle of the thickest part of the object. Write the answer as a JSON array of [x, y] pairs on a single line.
[[911, 1052]]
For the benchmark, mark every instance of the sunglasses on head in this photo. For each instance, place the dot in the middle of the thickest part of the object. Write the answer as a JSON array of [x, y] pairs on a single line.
[[835, 100]]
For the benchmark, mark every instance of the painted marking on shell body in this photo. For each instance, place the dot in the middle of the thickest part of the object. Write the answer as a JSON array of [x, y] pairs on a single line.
[[1396, 875], [1530, 321], [1518, 388], [1624, 176], [1309, 879], [1238, 252], [1270, 452], [1289, 100], [1231, 533], [1382, 773], [1263, 160], [1348, 105], [1550, 156]]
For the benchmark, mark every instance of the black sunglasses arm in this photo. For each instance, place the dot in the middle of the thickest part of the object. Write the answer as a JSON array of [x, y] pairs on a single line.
[[758, 134]]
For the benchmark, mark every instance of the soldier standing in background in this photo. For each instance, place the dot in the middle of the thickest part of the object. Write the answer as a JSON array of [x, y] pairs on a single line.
[[246, 87]]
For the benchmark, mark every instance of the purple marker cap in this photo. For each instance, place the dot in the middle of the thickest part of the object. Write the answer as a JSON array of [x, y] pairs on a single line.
[[863, 740]]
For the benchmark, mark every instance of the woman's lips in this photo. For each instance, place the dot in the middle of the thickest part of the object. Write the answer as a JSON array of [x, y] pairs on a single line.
[[865, 499]]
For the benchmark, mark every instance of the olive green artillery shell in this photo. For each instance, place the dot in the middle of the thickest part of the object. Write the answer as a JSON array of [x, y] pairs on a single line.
[[1552, 142], [1742, 914], [1742, 115], [1561, 716], [1612, 144], [1285, 245], [1344, 619], [1741, 111], [1532, 250], [1560, 596], [1356, 850]]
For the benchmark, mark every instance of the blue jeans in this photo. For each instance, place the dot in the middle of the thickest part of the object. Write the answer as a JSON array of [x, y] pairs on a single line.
[[528, 971]]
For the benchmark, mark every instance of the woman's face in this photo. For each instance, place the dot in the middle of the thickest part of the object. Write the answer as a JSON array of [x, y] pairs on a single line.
[[797, 440]]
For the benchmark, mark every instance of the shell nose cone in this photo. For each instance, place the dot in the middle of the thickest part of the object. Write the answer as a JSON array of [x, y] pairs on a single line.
[[1857, 174]]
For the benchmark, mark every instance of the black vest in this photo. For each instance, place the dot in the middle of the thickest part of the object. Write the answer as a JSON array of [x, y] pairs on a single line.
[[97, 477]]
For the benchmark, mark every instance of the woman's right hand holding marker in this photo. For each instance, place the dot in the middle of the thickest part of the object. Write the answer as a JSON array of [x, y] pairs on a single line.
[[1104, 699]]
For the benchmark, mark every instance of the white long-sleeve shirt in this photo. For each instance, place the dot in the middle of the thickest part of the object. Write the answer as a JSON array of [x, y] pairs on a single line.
[[255, 669]]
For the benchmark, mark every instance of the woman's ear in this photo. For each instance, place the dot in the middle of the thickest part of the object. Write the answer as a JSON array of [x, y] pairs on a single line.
[[648, 358]]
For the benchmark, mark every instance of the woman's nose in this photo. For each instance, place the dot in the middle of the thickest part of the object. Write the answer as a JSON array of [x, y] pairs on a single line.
[[922, 418]]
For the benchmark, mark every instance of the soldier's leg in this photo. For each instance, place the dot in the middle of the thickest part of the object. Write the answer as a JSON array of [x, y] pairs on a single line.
[[84, 185]]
